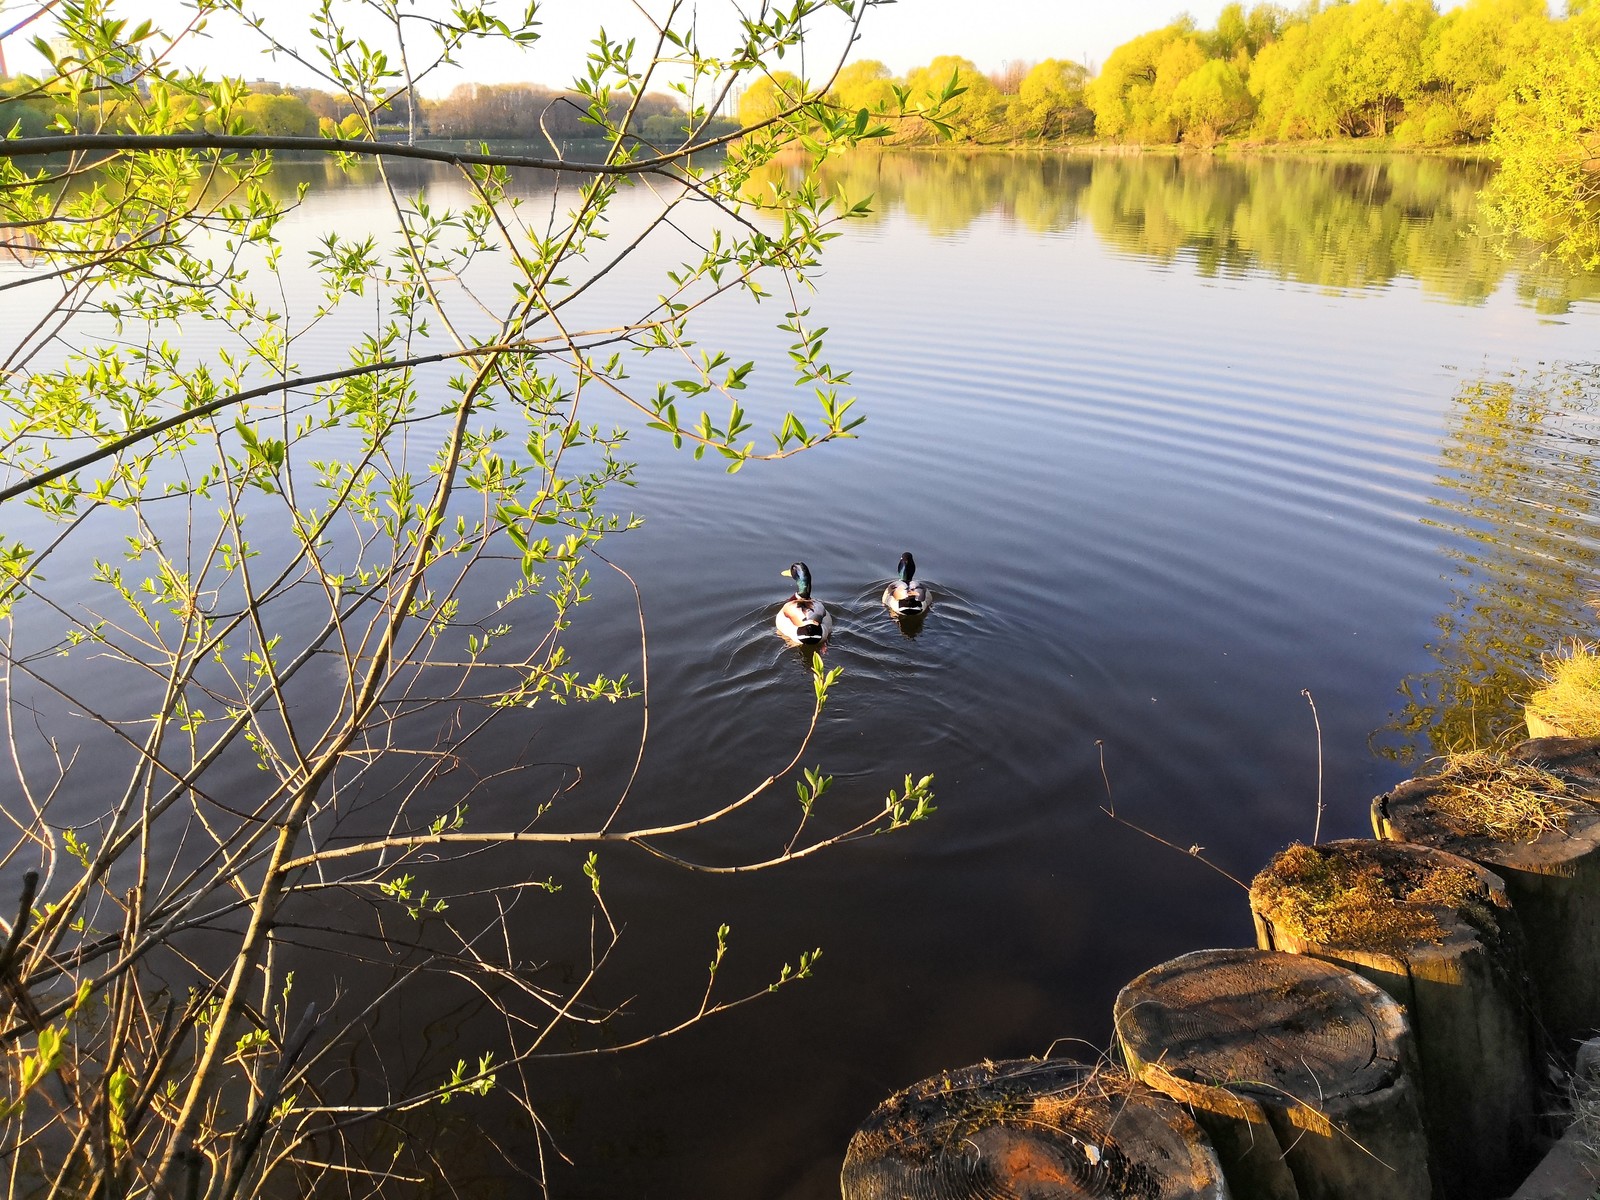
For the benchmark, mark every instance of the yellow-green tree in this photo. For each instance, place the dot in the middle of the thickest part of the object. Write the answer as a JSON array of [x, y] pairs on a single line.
[[1210, 101], [769, 95], [866, 83], [1349, 70], [279, 115], [1130, 96], [1239, 35], [1050, 100], [1380, 67], [1471, 52], [1548, 141], [1274, 82], [973, 115]]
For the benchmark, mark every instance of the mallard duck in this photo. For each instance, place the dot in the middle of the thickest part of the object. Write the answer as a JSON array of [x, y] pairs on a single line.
[[803, 621], [907, 597]]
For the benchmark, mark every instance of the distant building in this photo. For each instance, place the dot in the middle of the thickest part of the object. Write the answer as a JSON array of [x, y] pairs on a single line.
[[124, 63]]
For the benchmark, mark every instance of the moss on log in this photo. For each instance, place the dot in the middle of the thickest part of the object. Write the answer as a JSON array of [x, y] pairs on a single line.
[[1030, 1129], [1289, 1058], [1438, 934], [1552, 876]]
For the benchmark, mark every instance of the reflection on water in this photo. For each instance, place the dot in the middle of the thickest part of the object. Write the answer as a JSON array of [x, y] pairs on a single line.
[[1518, 500], [1349, 223]]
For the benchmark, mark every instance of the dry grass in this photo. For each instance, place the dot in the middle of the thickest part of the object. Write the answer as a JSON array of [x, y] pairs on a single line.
[[1569, 698], [1490, 795], [1583, 1094], [1352, 899]]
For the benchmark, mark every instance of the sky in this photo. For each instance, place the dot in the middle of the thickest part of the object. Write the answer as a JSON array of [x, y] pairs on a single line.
[[904, 35]]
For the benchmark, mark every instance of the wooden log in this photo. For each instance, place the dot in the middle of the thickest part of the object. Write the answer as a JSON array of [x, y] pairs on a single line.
[[1030, 1129], [1438, 934], [1552, 877], [1306, 1061]]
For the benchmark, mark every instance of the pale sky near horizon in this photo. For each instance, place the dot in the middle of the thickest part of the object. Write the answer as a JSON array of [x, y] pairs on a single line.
[[904, 35]]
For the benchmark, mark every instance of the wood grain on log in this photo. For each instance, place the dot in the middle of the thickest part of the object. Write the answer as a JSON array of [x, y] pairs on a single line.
[[1438, 934], [1290, 1048], [1030, 1129]]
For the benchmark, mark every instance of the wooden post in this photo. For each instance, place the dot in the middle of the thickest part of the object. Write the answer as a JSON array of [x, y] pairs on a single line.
[[1287, 1048], [1438, 934], [1030, 1129], [1553, 879]]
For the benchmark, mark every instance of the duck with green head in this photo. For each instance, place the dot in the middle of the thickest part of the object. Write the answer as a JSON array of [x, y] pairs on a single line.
[[905, 596], [803, 621]]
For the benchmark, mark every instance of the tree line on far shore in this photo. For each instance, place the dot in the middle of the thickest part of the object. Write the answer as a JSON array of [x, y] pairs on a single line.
[[1502, 73], [1383, 68], [494, 112]]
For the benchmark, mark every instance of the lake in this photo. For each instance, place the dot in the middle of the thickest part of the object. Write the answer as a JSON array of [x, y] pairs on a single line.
[[1177, 443]]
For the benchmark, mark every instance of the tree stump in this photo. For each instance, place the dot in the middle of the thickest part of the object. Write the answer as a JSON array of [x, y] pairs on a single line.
[[1030, 1129], [1437, 933], [1552, 878], [1295, 1062]]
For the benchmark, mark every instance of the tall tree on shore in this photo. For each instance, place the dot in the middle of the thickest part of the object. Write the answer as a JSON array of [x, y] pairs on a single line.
[[1547, 138], [1131, 94], [1050, 100]]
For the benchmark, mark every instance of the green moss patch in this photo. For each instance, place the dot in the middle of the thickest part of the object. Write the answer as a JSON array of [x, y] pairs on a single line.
[[1351, 898]]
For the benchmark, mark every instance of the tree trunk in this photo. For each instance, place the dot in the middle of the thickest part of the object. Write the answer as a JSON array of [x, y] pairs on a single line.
[[1304, 1062], [1438, 934], [1553, 880], [1030, 1129]]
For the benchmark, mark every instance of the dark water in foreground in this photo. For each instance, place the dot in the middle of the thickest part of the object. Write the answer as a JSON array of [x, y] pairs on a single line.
[[1172, 442]]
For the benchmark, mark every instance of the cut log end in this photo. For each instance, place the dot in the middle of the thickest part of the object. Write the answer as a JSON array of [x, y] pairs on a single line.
[[1423, 811], [1299, 1068], [1026, 1128], [1279, 1025]]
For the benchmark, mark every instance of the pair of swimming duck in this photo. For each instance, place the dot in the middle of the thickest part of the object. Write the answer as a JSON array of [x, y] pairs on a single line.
[[804, 621]]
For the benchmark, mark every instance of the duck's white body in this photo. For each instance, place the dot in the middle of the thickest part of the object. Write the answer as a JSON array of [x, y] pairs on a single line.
[[905, 596], [803, 621]]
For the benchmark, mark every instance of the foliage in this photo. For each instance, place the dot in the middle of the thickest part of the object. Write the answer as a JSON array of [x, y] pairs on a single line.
[[967, 104], [1548, 187], [1131, 94], [1473, 52], [279, 115], [864, 84], [1365, 68], [258, 608], [772, 93], [1210, 101], [1050, 100]]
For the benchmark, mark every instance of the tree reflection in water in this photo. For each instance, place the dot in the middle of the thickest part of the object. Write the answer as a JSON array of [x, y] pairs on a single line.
[[1518, 499], [1347, 223]]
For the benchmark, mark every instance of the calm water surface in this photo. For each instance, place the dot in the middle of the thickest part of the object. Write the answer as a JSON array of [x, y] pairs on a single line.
[[1173, 442]]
